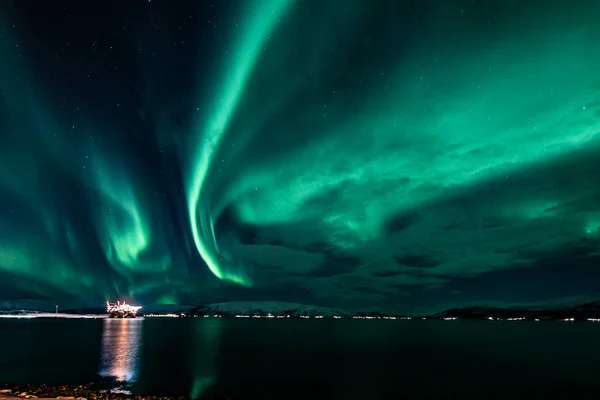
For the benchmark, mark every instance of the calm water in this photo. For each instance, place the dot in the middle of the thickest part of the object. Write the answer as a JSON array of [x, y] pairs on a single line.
[[286, 359]]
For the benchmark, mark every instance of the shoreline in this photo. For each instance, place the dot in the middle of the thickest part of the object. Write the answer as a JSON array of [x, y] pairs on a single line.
[[88, 391], [52, 316]]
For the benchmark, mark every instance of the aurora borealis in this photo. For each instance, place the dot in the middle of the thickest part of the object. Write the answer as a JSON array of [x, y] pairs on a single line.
[[399, 155]]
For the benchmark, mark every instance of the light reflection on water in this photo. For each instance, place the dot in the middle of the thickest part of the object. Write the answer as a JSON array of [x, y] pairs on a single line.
[[121, 341]]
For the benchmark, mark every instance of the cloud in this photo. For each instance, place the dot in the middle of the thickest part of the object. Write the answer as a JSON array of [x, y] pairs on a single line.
[[416, 261], [534, 218]]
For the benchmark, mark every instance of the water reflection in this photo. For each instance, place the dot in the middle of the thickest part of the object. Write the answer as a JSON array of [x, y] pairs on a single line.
[[121, 341], [207, 336]]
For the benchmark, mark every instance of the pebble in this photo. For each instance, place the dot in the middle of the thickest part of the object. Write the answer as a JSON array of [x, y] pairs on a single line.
[[44, 392]]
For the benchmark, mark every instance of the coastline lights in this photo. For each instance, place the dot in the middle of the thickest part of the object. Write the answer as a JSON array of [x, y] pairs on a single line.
[[164, 315], [280, 316]]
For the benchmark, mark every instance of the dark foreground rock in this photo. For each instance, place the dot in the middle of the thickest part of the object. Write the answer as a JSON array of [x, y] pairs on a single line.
[[71, 392]]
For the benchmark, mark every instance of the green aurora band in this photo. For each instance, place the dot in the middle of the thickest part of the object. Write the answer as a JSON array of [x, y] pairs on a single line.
[[127, 235], [433, 119], [262, 18]]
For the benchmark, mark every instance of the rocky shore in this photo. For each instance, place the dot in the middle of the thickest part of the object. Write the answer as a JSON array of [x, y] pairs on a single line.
[[69, 392]]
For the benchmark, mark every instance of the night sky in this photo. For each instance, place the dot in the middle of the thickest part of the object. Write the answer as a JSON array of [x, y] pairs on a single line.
[[394, 155]]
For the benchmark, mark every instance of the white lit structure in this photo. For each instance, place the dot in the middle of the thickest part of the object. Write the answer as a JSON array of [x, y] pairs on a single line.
[[121, 310]]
